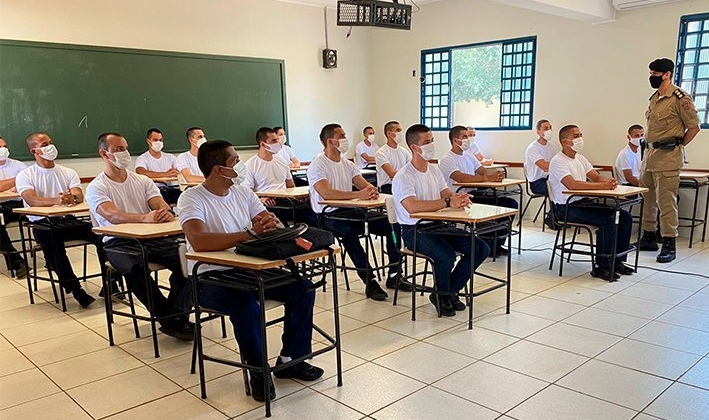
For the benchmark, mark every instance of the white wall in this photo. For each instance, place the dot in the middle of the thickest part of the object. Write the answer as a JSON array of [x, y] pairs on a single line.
[[255, 28], [594, 76]]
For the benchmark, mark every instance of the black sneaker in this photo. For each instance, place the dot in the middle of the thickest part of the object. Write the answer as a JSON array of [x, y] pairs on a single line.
[[605, 274], [648, 242], [501, 251], [404, 285], [549, 222], [302, 371], [623, 269], [20, 269], [84, 299], [457, 304], [114, 287], [177, 329], [445, 309], [256, 384], [374, 291]]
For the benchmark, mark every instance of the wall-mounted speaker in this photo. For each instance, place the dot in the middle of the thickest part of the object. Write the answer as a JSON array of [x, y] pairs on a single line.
[[329, 58]]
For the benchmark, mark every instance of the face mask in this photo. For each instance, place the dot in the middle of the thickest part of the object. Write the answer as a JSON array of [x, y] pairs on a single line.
[[282, 139], [370, 138], [4, 153], [465, 144], [156, 146], [201, 141], [49, 152], [343, 145], [399, 137], [274, 147], [655, 81], [240, 169], [122, 159], [547, 135], [578, 144], [636, 141], [428, 151]]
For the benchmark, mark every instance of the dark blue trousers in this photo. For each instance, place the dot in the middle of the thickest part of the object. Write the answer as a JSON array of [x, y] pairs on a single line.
[[508, 202], [539, 186]]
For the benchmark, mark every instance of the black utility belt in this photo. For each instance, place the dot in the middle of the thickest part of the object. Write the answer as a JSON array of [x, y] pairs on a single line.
[[668, 144]]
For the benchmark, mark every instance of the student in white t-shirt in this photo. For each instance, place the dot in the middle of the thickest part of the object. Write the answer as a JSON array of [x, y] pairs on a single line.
[[156, 164], [332, 177], [366, 149], [475, 149], [187, 161], [569, 170], [119, 196], [537, 157], [265, 171], [9, 168], [46, 184], [218, 215], [286, 152], [391, 157], [419, 187], [627, 164]]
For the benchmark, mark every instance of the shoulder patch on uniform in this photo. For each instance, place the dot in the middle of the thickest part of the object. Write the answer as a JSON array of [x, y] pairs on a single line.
[[686, 105], [678, 93]]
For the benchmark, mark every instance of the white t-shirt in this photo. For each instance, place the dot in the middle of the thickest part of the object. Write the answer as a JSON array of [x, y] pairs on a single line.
[[264, 175], [187, 160], [166, 162], [534, 152], [229, 214], [474, 148], [339, 174], [130, 196], [46, 182], [409, 182], [10, 169], [627, 159], [559, 167], [363, 148], [397, 158], [286, 153], [451, 163]]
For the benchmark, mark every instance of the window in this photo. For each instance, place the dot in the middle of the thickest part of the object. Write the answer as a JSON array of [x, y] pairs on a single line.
[[692, 73], [489, 85]]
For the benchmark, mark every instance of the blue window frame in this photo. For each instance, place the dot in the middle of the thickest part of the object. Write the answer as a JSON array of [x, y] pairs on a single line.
[[487, 85], [692, 73]]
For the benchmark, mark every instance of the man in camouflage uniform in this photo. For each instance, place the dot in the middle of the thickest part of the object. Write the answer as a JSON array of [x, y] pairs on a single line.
[[672, 122]]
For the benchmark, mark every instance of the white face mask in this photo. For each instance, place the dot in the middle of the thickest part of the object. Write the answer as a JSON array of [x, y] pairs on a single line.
[[4, 153], [156, 146], [578, 144], [343, 145], [240, 169], [122, 159], [636, 141], [282, 139], [399, 137], [274, 147], [548, 135], [370, 138], [428, 151], [201, 141], [465, 144], [49, 152]]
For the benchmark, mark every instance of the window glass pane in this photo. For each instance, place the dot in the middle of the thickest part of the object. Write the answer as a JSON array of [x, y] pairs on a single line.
[[436, 100], [428, 68], [527, 96], [705, 39], [444, 56], [429, 79], [690, 56], [692, 41], [444, 66], [507, 72], [700, 102], [444, 112], [428, 90], [437, 90], [505, 121], [703, 71], [436, 67], [436, 78], [704, 56], [687, 85], [444, 100], [515, 109], [694, 26], [525, 121], [428, 58], [702, 87], [444, 89], [504, 109], [514, 121], [428, 101], [437, 57], [508, 60], [506, 97]]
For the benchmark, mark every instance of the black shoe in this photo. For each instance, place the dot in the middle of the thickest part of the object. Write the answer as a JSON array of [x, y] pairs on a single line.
[[404, 285], [549, 222], [84, 299], [605, 274], [457, 304], [501, 251], [374, 291], [256, 384], [623, 269], [114, 287], [20, 269], [648, 242], [446, 309], [177, 329], [668, 252], [303, 371]]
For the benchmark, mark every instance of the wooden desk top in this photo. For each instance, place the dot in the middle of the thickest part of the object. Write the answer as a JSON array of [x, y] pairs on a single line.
[[300, 168], [478, 213], [693, 174], [496, 166], [356, 203], [9, 195], [297, 192], [53, 210], [228, 258], [507, 182], [165, 179], [619, 191], [141, 230], [364, 171], [191, 183]]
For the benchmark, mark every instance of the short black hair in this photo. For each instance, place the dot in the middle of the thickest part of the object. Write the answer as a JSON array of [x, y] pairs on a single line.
[[364, 130], [412, 134], [662, 65], [212, 153], [328, 132], [191, 130], [276, 128], [635, 127], [154, 130], [564, 132], [32, 136], [262, 134], [103, 139], [388, 126], [540, 122], [455, 132]]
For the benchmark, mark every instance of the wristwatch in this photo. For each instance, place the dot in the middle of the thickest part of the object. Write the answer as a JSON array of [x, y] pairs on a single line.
[[448, 201]]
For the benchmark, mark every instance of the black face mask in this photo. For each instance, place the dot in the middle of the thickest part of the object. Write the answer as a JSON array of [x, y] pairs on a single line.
[[655, 81]]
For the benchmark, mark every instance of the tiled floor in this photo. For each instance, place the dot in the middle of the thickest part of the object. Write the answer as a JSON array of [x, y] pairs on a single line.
[[574, 347]]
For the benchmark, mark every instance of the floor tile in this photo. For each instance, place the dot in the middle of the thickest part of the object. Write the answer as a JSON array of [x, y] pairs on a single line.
[[677, 281], [674, 337], [24, 386], [28, 314], [371, 341], [607, 322], [681, 401], [556, 403], [575, 294], [515, 323], [369, 311], [426, 325], [227, 395], [697, 301], [65, 347], [181, 405], [418, 406], [698, 375], [477, 343], [484, 383], [687, 317], [305, 404], [628, 305], [649, 358], [13, 361], [660, 294], [177, 368], [90, 367], [424, 362], [43, 330], [553, 309], [536, 360], [619, 385], [53, 407], [326, 321], [575, 339]]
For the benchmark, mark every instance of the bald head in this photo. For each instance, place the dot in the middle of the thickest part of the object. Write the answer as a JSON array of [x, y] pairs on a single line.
[[37, 139]]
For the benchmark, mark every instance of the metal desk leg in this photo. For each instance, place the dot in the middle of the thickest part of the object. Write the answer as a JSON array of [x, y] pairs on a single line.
[[336, 310], [695, 186]]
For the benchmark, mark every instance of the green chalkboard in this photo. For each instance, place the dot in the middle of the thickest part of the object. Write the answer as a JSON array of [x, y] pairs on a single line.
[[76, 92]]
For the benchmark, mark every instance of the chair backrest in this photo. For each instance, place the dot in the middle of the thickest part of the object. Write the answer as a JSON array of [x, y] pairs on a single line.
[[550, 197], [391, 208], [526, 184], [182, 251]]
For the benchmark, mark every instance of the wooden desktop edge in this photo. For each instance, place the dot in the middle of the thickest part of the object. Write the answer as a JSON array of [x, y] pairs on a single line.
[[452, 215], [228, 258], [142, 230], [52, 210]]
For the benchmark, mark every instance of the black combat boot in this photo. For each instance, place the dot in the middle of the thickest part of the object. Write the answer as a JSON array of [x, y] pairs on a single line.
[[669, 251], [648, 242]]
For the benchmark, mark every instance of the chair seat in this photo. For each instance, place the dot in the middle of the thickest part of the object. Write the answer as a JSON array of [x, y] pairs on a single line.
[[67, 244], [567, 225]]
